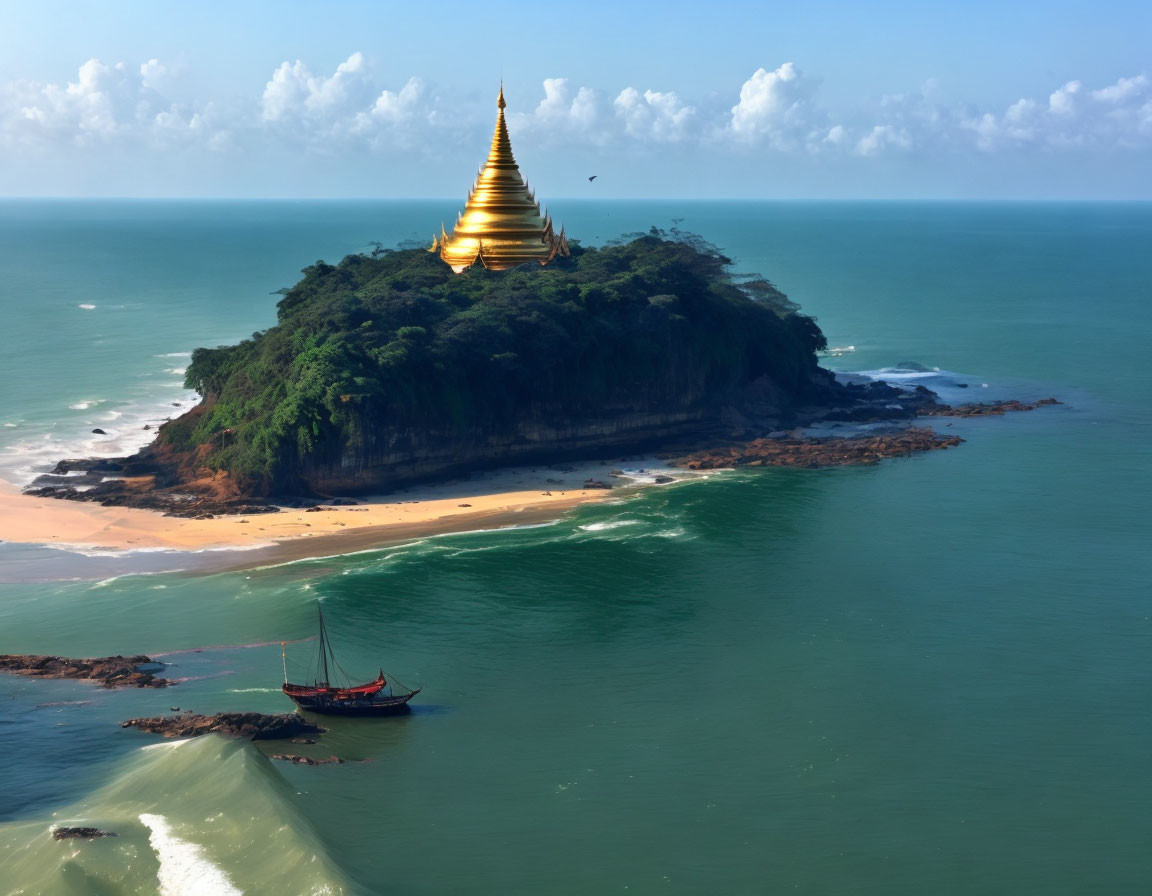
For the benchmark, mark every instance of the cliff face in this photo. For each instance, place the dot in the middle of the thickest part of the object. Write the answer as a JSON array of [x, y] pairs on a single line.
[[390, 369], [411, 455], [392, 456]]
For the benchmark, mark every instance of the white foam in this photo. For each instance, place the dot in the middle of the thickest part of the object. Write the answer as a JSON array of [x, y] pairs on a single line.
[[184, 869], [176, 355], [46, 443], [903, 373], [86, 307], [611, 524], [169, 744], [92, 550]]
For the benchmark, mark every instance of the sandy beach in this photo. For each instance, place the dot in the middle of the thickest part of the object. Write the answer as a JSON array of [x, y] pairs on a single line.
[[492, 500]]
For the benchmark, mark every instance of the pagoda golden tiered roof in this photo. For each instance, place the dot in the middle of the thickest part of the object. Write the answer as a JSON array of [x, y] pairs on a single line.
[[502, 225]]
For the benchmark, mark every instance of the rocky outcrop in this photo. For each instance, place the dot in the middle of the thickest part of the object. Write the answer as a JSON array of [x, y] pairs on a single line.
[[987, 409], [811, 453], [110, 671], [252, 725], [80, 833], [153, 479], [306, 760]]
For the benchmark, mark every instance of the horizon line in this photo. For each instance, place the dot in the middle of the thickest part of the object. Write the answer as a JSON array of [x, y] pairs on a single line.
[[1005, 199]]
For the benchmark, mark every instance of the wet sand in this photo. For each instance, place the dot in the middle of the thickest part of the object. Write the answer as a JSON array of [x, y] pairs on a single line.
[[494, 500]]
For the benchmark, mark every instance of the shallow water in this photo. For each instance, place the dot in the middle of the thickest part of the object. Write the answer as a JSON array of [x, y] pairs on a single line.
[[925, 676]]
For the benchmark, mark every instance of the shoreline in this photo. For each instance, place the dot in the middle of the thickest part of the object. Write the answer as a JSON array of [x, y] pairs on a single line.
[[506, 498], [496, 500]]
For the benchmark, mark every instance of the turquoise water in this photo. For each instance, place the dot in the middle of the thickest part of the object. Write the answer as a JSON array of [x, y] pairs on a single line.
[[927, 676]]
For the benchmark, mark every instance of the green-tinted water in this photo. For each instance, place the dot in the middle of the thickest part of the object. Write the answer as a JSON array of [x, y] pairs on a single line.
[[927, 676]]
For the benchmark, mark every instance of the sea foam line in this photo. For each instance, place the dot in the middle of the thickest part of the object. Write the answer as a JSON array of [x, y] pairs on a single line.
[[610, 524], [184, 869]]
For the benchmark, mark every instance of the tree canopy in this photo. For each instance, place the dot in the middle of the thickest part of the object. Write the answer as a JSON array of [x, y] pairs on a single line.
[[396, 340]]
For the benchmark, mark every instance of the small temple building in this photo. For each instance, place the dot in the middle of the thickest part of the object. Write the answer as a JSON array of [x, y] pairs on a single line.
[[501, 225]]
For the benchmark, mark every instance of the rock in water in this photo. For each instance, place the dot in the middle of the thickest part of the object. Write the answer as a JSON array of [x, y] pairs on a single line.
[[80, 833], [306, 760], [110, 671], [819, 452], [988, 409], [252, 725]]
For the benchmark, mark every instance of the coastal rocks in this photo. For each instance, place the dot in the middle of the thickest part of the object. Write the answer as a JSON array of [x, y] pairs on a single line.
[[987, 409], [145, 482], [99, 432], [252, 725], [80, 833], [110, 671], [596, 483], [878, 401], [812, 453], [306, 760]]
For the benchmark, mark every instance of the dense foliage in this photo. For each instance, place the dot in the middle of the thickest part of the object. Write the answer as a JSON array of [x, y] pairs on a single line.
[[396, 340]]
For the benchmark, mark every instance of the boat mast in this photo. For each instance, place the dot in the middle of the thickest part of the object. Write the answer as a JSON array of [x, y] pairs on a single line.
[[323, 645]]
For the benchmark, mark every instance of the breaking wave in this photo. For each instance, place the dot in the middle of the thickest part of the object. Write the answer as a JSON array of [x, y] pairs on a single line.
[[202, 816], [184, 871]]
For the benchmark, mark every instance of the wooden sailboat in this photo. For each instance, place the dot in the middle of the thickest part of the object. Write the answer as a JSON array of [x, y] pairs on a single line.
[[376, 698]]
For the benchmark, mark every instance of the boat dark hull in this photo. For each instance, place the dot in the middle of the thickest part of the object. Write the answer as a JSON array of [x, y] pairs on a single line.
[[368, 706]]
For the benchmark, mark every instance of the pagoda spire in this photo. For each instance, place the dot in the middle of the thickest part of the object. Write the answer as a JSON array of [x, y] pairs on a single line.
[[501, 225]]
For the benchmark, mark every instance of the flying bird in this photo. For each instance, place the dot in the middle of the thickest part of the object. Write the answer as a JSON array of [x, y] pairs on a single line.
[[593, 177]]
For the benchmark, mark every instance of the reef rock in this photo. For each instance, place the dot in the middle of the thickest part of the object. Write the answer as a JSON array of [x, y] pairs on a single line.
[[252, 725], [306, 760], [987, 409], [819, 452], [110, 671], [80, 833]]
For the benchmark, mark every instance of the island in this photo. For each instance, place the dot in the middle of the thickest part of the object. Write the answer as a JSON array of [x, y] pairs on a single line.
[[505, 343]]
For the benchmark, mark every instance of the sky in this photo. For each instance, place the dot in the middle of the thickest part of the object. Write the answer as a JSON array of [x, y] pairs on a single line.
[[788, 100]]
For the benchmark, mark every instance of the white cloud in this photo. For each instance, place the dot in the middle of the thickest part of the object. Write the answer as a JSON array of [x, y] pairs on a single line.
[[347, 110], [104, 103], [566, 114], [404, 103], [1063, 101], [836, 135], [153, 73], [295, 94], [1124, 90], [1116, 116], [775, 107], [563, 106], [882, 137], [661, 117]]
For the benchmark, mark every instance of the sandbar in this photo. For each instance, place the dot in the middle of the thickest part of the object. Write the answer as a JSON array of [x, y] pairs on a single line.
[[491, 500]]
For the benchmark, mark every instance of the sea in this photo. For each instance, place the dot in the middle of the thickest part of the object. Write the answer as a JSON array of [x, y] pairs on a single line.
[[931, 675]]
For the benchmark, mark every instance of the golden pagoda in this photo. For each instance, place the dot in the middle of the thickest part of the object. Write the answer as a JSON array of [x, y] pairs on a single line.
[[501, 225]]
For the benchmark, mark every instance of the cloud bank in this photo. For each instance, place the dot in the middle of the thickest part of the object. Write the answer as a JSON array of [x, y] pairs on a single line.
[[775, 111]]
